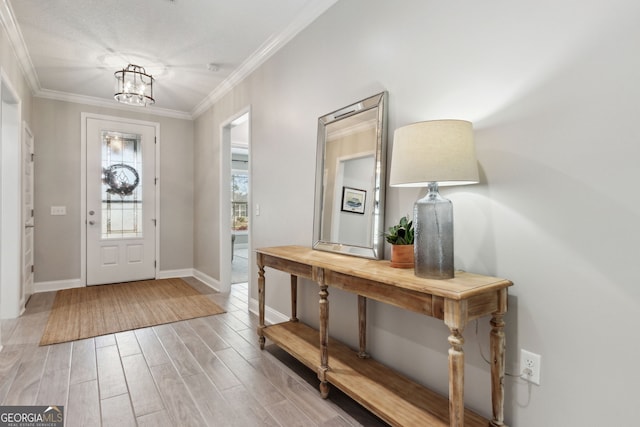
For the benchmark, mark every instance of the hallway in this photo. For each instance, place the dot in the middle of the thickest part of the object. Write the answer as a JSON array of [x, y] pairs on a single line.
[[201, 372], [240, 266]]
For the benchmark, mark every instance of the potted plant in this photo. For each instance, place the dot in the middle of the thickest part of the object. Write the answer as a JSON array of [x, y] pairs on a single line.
[[401, 238]]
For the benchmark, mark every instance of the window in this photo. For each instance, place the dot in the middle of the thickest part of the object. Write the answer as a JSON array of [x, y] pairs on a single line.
[[239, 202], [121, 185]]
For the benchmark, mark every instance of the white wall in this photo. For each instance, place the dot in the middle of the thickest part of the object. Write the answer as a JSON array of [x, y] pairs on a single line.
[[552, 89]]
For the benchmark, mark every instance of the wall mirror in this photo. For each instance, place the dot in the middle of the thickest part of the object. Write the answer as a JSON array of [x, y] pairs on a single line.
[[350, 179]]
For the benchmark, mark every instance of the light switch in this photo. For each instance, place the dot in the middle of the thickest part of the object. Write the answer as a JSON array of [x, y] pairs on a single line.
[[58, 210]]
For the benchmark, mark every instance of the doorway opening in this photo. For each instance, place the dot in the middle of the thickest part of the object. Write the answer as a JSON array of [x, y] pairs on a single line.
[[235, 201]]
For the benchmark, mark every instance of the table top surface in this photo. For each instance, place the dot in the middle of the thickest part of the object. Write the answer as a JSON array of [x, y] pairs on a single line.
[[464, 285]]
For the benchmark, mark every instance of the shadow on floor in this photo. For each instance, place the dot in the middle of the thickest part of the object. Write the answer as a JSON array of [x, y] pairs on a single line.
[[347, 404]]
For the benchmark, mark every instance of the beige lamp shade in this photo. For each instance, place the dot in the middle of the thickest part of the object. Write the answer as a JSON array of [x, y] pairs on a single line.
[[439, 151]]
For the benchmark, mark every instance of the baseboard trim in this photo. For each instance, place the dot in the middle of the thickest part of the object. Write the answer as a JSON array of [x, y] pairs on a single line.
[[57, 285], [207, 280], [271, 316], [170, 274]]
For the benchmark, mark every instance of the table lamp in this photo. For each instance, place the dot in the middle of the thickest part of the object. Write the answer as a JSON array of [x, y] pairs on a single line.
[[431, 154]]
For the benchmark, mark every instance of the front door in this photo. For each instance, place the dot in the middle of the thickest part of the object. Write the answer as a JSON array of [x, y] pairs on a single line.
[[121, 220]]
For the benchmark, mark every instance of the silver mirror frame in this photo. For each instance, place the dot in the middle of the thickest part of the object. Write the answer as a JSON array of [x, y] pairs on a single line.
[[376, 250]]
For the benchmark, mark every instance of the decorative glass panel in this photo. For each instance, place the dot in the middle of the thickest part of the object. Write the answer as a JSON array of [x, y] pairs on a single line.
[[121, 185]]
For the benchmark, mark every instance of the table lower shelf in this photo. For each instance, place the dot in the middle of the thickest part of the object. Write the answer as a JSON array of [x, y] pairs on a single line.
[[392, 397]]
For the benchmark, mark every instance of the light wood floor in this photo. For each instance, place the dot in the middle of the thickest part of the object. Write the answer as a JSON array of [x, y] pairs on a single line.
[[201, 372]]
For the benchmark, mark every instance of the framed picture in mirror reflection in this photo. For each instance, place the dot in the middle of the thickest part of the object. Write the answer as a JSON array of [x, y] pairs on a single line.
[[353, 200]]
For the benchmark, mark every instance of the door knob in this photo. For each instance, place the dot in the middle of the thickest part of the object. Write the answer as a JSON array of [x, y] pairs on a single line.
[[91, 212], [92, 222]]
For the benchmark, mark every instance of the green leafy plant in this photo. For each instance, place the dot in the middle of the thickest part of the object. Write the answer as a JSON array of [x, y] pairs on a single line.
[[401, 233]]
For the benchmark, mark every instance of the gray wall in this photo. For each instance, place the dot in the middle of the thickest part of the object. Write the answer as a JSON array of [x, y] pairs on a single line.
[[552, 89], [206, 196], [56, 129]]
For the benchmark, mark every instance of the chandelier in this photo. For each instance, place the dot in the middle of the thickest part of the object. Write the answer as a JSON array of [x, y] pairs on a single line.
[[134, 86]]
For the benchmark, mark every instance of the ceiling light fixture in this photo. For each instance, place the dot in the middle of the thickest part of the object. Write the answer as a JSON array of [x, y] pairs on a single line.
[[134, 86]]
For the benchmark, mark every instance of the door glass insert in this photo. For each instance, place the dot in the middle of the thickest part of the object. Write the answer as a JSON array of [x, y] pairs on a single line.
[[121, 185]]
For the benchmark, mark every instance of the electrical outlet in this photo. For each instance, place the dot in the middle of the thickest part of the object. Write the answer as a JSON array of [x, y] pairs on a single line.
[[530, 366], [58, 210]]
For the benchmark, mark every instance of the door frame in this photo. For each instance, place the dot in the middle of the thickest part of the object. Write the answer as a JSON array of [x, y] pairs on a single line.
[[83, 186], [11, 225], [27, 290], [225, 199]]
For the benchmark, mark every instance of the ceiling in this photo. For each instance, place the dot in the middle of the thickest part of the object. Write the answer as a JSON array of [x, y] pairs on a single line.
[[195, 49]]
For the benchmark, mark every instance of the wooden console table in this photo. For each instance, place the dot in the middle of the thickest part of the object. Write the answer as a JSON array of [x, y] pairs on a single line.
[[392, 397]]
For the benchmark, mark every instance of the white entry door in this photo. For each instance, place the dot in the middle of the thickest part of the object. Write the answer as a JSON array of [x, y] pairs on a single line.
[[121, 219], [26, 288]]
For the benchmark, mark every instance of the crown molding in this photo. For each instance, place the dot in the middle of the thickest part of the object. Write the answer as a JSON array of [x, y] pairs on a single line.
[[14, 34], [309, 14], [10, 25], [110, 103], [351, 130]]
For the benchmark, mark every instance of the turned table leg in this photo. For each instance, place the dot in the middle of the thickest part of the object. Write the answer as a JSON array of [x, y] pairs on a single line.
[[455, 317], [498, 343], [362, 326], [294, 298], [456, 379], [261, 324], [324, 340]]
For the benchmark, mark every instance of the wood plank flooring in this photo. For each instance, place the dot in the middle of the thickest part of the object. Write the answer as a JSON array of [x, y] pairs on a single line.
[[201, 372]]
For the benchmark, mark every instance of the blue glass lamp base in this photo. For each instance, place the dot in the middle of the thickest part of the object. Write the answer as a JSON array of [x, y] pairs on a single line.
[[433, 223]]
